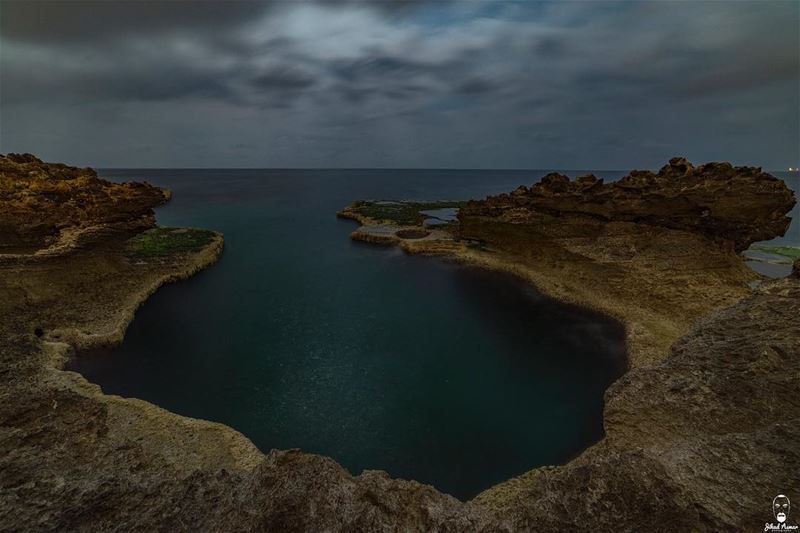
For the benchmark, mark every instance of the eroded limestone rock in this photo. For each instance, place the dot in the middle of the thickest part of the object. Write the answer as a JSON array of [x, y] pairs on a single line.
[[52, 205], [722, 202]]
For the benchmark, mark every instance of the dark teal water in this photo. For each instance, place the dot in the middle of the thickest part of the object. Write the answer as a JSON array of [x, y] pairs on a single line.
[[302, 338]]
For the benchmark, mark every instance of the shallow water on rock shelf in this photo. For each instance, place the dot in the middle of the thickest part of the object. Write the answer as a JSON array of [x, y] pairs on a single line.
[[775, 265], [445, 214], [301, 338]]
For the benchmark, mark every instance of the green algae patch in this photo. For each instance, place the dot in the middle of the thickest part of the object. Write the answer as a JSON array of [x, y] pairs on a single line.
[[400, 213], [161, 242], [787, 251]]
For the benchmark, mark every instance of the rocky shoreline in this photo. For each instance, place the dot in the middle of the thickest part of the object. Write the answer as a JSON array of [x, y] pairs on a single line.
[[704, 347], [699, 436], [657, 271]]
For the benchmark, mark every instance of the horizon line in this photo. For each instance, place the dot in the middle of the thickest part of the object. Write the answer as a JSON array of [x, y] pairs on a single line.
[[351, 168], [509, 169]]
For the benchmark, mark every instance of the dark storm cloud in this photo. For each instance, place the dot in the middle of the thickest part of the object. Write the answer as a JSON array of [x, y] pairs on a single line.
[[735, 76], [393, 77], [111, 74], [379, 67], [64, 22], [476, 86], [387, 6], [550, 46], [68, 21], [409, 83], [284, 79]]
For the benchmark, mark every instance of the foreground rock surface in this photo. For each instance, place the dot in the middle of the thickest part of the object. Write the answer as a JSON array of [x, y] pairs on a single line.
[[701, 441], [701, 437]]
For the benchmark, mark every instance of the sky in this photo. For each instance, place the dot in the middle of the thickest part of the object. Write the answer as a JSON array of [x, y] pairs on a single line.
[[401, 83]]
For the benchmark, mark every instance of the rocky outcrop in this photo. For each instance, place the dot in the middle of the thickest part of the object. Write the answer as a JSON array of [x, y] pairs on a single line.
[[657, 250], [50, 207], [740, 205]]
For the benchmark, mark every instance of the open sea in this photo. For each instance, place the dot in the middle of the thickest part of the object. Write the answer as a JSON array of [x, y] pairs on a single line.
[[301, 338]]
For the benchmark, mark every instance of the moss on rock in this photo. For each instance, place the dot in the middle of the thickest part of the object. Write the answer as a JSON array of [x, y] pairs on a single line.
[[161, 242], [400, 213], [792, 252]]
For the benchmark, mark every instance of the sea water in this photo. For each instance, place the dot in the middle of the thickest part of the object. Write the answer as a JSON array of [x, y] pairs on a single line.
[[302, 338]]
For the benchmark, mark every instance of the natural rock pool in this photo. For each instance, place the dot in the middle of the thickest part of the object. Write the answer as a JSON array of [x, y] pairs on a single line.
[[301, 338]]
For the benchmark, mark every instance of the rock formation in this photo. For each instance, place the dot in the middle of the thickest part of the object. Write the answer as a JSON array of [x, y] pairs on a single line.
[[699, 437], [741, 205], [52, 205], [657, 250]]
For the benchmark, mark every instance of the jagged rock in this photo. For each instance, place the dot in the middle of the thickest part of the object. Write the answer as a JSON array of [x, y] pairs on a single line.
[[643, 248], [52, 205], [552, 182], [741, 205], [589, 182]]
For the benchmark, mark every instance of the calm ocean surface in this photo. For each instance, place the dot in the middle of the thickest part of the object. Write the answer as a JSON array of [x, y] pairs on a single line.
[[302, 338]]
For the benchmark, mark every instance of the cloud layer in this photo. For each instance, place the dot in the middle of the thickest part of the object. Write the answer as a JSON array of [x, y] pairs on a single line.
[[411, 84]]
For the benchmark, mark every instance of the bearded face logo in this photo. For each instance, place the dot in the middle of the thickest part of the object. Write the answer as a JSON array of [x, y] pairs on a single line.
[[780, 508]]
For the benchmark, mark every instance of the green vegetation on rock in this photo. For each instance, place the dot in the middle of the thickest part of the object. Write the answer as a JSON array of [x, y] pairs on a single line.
[[160, 242], [788, 251], [401, 213]]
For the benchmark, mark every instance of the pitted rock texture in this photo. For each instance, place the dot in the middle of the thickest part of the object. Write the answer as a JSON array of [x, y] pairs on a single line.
[[741, 205], [52, 205]]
